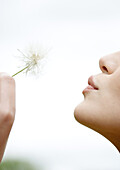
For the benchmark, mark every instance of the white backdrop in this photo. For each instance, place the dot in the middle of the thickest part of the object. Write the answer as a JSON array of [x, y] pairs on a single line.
[[78, 34]]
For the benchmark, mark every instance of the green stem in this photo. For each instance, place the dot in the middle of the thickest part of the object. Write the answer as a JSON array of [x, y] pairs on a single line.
[[20, 71]]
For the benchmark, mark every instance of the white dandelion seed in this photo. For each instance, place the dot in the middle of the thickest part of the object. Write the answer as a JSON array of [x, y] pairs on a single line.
[[33, 60]]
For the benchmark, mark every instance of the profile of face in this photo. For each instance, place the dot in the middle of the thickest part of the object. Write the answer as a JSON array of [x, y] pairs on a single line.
[[100, 109]]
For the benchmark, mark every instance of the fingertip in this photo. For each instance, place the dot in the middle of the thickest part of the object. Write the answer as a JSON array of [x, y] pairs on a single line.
[[4, 74], [6, 77]]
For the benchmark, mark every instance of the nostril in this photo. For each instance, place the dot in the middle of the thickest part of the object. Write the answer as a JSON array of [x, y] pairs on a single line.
[[104, 69]]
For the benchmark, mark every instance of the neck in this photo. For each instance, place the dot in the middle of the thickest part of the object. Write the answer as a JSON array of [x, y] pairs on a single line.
[[115, 140]]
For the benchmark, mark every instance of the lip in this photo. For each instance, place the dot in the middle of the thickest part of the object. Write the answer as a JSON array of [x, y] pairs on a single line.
[[91, 85]]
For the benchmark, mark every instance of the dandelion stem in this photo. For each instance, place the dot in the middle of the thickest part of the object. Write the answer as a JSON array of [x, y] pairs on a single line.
[[20, 71]]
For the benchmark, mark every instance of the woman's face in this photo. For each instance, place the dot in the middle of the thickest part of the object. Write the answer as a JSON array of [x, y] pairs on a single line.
[[100, 109]]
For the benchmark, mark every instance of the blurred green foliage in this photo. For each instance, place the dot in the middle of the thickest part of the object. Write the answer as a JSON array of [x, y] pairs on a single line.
[[16, 165]]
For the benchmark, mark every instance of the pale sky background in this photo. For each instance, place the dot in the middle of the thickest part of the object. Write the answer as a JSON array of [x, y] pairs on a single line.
[[78, 34]]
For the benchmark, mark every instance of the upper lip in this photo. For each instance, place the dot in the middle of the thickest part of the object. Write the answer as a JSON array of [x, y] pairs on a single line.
[[91, 82]]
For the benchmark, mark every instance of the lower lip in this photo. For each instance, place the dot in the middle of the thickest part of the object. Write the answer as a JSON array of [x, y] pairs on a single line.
[[88, 88]]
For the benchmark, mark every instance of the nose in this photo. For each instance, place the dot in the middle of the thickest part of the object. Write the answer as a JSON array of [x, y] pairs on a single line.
[[103, 65], [108, 64]]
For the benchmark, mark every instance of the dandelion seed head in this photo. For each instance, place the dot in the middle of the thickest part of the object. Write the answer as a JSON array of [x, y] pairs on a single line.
[[33, 59]]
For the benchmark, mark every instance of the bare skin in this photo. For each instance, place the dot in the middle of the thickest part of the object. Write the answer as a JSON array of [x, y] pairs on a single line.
[[7, 109], [100, 109]]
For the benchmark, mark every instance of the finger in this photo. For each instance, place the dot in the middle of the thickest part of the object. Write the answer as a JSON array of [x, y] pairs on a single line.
[[7, 94]]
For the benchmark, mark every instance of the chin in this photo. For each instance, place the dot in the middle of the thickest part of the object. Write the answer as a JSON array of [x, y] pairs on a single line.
[[81, 113], [86, 115]]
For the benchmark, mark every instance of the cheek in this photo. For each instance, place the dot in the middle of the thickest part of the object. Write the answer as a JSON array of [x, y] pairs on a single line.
[[113, 89], [114, 81]]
